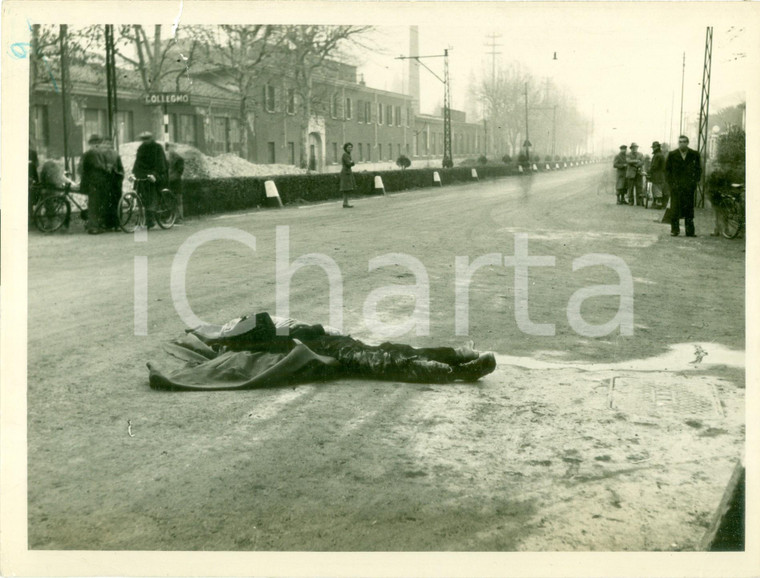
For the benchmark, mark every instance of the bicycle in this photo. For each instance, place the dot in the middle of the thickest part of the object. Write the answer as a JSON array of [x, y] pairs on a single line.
[[132, 212], [733, 212], [53, 211]]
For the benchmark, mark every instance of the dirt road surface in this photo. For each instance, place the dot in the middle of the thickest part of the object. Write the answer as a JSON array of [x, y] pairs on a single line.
[[573, 443]]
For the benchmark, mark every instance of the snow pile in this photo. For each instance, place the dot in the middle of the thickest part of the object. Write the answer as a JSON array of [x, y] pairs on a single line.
[[200, 166]]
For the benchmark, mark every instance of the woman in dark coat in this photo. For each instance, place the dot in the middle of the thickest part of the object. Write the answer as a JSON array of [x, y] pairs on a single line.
[[347, 183]]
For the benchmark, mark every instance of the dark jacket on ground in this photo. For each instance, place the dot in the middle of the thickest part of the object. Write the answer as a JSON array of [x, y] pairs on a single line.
[[682, 176]]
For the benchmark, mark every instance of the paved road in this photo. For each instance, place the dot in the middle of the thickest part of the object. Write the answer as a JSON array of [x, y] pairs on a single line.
[[546, 457]]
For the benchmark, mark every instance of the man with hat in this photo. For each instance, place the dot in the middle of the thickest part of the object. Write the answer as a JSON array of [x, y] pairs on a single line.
[[621, 165], [683, 169], [96, 184], [657, 175], [634, 160], [150, 164]]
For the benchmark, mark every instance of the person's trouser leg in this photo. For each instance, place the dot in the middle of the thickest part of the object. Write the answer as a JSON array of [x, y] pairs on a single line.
[[690, 231], [675, 227]]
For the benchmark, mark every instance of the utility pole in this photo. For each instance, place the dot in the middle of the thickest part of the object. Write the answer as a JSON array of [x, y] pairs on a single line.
[[683, 74], [111, 85], [527, 144], [704, 111], [63, 30], [448, 159], [493, 46]]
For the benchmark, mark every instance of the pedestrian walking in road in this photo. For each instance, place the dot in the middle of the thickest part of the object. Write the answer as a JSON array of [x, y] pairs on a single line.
[[635, 162], [621, 164], [96, 184], [112, 196], [34, 179], [150, 164], [176, 169], [347, 182], [683, 169], [657, 175]]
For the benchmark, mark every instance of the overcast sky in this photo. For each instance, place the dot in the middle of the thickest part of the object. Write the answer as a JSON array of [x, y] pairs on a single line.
[[624, 72]]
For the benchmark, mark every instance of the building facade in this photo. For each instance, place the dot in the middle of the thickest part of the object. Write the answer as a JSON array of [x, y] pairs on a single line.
[[382, 125]]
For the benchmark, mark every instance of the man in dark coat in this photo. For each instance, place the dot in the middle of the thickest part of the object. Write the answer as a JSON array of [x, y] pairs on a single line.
[[96, 184], [683, 169], [150, 164], [635, 162], [176, 169], [347, 183], [621, 164], [115, 170], [657, 175]]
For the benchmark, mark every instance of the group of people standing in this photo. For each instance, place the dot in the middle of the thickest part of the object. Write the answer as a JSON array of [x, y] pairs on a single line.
[[673, 177], [102, 176]]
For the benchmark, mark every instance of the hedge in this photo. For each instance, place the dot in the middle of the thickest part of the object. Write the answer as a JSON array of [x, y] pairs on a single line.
[[206, 196]]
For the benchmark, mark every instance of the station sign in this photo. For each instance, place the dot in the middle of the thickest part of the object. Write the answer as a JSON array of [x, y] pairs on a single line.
[[166, 98]]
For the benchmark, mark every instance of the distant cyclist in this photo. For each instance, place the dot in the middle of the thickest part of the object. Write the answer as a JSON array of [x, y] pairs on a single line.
[[150, 164]]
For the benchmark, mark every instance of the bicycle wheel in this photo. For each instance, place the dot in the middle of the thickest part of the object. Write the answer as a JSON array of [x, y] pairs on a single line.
[[167, 209], [52, 213], [733, 220], [131, 213]]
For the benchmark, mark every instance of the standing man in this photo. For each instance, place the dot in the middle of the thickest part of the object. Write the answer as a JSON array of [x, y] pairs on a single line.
[[150, 163], [635, 161], [115, 170], [176, 168], [657, 175], [621, 164], [683, 169], [96, 184]]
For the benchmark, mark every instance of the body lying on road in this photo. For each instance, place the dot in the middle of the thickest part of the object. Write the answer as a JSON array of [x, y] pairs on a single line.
[[260, 351]]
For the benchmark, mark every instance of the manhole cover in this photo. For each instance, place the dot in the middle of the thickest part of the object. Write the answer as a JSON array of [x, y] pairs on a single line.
[[664, 396]]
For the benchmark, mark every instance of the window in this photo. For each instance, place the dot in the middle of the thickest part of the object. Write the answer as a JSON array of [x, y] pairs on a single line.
[[40, 129], [407, 149], [361, 152], [94, 123], [291, 101], [360, 111], [379, 113], [219, 134], [335, 152], [269, 98], [398, 147], [348, 109], [270, 153], [389, 114], [334, 105], [368, 111], [292, 152], [398, 116], [233, 130], [390, 151], [181, 128], [379, 152]]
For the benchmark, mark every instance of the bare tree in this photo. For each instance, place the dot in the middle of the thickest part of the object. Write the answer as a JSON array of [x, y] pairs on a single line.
[[156, 58], [504, 99], [240, 52], [307, 51]]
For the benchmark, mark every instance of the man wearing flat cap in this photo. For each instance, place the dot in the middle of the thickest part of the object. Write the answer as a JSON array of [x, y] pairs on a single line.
[[150, 163], [657, 175], [635, 162], [621, 164], [96, 184]]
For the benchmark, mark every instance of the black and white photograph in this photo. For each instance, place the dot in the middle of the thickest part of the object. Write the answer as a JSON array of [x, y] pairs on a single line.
[[296, 285]]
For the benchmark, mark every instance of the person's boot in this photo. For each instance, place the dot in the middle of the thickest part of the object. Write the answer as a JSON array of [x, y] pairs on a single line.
[[474, 370], [690, 232]]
